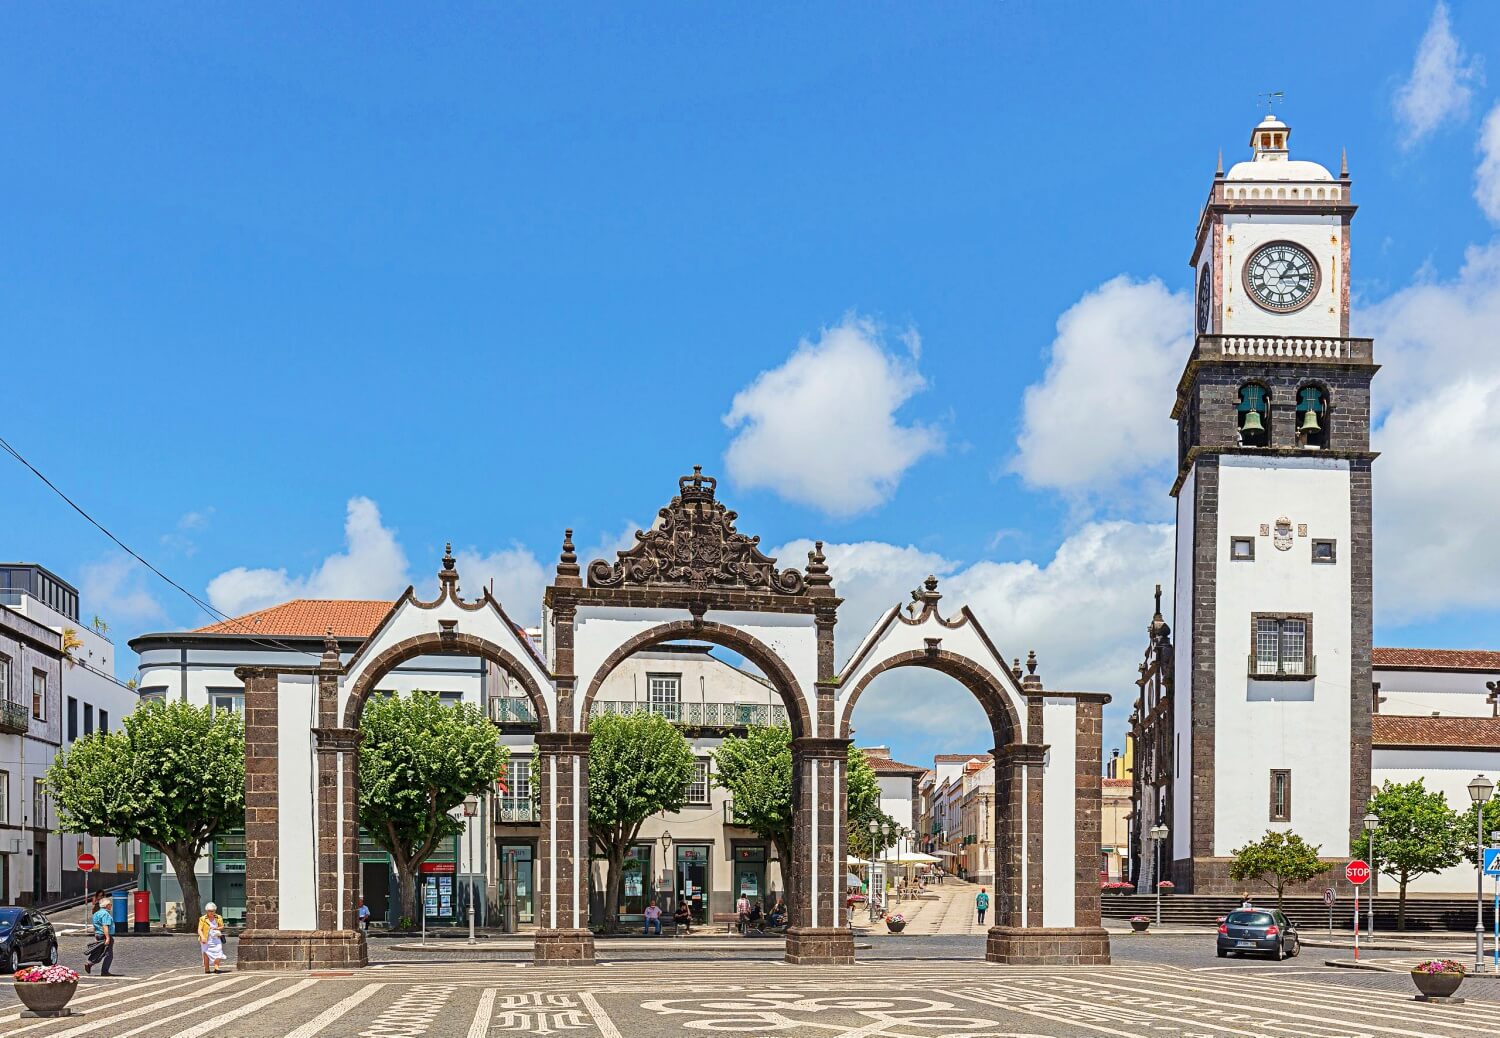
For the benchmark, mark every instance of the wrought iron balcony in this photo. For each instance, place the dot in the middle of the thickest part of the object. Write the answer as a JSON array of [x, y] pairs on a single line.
[[700, 715], [512, 710], [515, 810], [15, 718], [1283, 670]]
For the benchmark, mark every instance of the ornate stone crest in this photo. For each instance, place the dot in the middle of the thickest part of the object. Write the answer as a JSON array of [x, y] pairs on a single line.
[[1282, 538], [694, 544]]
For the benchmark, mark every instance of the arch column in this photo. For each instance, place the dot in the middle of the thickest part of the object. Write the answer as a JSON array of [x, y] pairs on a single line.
[[819, 933], [564, 938]]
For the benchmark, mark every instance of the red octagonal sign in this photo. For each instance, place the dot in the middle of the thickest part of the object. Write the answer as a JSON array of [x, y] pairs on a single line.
[[86, 862], [1357, 872]]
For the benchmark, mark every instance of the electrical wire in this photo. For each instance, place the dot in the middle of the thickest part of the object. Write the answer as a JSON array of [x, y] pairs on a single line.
[[200, 603]]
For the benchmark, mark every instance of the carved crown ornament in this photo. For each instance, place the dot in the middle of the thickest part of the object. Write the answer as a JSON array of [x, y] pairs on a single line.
[[694, 544]]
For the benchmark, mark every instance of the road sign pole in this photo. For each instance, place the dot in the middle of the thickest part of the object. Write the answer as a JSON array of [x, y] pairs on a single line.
[[1356, 924]]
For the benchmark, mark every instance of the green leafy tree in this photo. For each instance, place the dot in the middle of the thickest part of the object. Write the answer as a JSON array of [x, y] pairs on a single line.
[[418, 760], [1278, 859], [172, 777], [1419, 834], [756, 769], [639, 765]]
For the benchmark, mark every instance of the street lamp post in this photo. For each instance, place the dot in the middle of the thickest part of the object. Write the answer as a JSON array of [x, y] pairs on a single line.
[[1158, 835], [874, 832], [471, 811], [1371, 824], [666, 850], [1480, 791]]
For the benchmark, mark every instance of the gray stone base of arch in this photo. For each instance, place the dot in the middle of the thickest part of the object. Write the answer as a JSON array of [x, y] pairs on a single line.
[[820, 946], [302, 950], [1048, 946], [563, 948]]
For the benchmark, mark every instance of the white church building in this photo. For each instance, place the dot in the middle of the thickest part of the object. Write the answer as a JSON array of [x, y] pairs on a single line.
[[1264, 704]]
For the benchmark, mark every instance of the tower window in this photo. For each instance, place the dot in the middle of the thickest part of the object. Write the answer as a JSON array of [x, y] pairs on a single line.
[[1325, 552], [1242, 549], [1281, 795], [1312, 417], [1254, 416], [1282, 646]]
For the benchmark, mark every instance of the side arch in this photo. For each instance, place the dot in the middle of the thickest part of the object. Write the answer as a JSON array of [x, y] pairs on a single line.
[[439, 644], [732, 638], [997, 706]]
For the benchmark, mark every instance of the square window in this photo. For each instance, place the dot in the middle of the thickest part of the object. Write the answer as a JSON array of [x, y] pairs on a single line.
[[1242, 549], [1281, 646], [1325, 552]]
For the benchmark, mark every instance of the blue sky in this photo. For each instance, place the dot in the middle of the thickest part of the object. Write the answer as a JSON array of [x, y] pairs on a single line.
[[290, 296]]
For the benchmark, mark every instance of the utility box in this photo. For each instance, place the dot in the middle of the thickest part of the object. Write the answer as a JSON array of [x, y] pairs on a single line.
[[142, 911]]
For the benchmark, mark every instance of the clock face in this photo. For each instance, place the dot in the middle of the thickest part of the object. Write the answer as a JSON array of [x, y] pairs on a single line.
[[1281, 277], [1205, 298]]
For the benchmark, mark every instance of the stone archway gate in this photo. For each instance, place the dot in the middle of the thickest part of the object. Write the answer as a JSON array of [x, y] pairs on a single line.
[[692, 575]]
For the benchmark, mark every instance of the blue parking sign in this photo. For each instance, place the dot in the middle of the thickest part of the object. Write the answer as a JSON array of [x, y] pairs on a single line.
[[1492, 861]]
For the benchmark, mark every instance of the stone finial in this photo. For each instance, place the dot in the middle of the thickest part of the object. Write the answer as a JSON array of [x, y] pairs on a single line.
[[1219, 172], [448, 575], [1343, 163], [1032, 680], [1015, 668], [330, 651], [568, 571], [817, 567]]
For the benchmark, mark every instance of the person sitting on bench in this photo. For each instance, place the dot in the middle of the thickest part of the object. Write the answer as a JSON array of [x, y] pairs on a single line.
[[683, 917], [778, 914]]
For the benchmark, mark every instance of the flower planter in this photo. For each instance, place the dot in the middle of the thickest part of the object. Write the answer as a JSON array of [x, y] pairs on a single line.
[[1436, 985], [895, 926], [46, 998], [1139, 925]]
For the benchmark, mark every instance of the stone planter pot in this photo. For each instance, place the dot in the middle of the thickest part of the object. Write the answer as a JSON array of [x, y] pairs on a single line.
[[1432, 985], [1138, 926], [46, 998], [895, 927]]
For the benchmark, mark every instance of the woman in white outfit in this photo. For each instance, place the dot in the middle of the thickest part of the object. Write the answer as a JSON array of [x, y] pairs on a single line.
[[211, 938]]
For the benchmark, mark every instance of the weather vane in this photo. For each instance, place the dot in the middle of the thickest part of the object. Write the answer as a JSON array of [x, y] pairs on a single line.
[[1273, 97]]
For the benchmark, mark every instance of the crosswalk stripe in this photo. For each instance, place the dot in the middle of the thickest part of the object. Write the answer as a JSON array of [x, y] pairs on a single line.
[[601, 1019], [150, 1007], [334, 1011], [155, 1022], [113, 993], [481, 1025], [245, 1010]]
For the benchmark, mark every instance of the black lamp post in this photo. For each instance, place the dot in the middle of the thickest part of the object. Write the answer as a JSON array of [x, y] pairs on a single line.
[[1480, 791]]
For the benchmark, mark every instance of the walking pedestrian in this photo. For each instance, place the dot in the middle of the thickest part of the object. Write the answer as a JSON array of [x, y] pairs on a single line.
[[211, 938], [102, 951], [362, 912], [653, 920], [981, 904], [742, 909]]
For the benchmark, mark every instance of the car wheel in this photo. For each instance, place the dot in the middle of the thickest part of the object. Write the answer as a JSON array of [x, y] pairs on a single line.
[[52, 954], [1223, 954], [1296, 947], [1280, 950]]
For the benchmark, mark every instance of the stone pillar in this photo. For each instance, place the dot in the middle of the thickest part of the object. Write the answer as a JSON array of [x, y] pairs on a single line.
[[262, 812], [819, 933], [563, 938], [1017, 898], [338, 827]]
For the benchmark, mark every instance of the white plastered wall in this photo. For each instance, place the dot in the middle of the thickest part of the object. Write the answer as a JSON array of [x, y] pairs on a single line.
[[1059, 812], [1448, 771], [1319, 235], [297, 804]]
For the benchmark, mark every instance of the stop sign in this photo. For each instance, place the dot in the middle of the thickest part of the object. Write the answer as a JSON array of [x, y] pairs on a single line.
[[1357, 872], [87, 862]]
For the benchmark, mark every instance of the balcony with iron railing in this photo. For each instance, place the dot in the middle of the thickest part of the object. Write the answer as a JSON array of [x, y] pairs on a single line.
[[15, 718], [512, 712], [1299, 669], [513, 810], [700, 715]]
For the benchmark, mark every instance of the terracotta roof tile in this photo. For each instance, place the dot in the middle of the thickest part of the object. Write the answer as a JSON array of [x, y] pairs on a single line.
[[308, 617], [958, 758], [886, 766], [1438, 659], [1398, 730], [1122, 783]]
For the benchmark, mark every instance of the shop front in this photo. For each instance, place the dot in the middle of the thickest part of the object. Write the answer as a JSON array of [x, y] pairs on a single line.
[[516, 881], [750, 873], [693, 879]]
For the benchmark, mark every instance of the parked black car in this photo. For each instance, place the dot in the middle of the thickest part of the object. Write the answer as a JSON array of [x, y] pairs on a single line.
[[25, 936], [1258, 931]]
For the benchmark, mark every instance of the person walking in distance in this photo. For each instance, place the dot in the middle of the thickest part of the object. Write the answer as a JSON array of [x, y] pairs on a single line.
[[742, 909], [102, 951], [211, 938], [981, 904], [363, 914]]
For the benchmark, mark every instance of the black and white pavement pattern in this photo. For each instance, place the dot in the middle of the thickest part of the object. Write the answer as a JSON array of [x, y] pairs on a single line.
[[881, 997]]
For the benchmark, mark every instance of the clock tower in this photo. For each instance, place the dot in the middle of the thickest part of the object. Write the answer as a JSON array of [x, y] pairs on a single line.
[[1271, 693]]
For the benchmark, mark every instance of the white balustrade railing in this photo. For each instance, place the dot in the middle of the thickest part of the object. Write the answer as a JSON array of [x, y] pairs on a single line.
[[1296, 347]]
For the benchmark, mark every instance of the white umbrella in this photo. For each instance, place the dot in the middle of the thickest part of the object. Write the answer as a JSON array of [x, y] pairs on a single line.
[[913, 858], [852, 860], [945, 854], [851, 880]]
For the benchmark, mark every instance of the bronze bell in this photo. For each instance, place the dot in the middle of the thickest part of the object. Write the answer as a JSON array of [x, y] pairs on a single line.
[[1252, 422], [1309, 422]]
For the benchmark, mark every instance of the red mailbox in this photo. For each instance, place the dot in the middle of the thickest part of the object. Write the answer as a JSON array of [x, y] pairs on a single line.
[[142, 911]]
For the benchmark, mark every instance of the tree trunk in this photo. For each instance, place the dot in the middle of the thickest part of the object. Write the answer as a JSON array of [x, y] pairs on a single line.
[[1401, 904], [613, 883], [1279, 886], [184, 860], [407, 901], [784, 852]]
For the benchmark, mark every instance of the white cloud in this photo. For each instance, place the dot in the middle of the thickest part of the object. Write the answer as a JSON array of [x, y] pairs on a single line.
[[1437, 482], [372, 566], [822, 429], [178, 540], [1098, 417], [517, 575], [114, 589], [1439, 86], [1487, 176]]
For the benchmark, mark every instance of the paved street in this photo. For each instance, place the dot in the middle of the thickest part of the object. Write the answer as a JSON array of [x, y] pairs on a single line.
[[914, 987]]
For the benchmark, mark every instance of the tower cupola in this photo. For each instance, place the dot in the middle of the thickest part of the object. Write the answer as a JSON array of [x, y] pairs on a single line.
[[1268, 141]]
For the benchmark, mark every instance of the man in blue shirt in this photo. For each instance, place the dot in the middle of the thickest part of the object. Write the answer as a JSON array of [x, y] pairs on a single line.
[[103, 949]]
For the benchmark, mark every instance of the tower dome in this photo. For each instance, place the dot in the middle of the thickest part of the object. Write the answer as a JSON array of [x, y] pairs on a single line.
[[1271, 158]]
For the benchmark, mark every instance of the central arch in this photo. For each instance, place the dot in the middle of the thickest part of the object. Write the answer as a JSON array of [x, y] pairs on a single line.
[[439, 643]]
